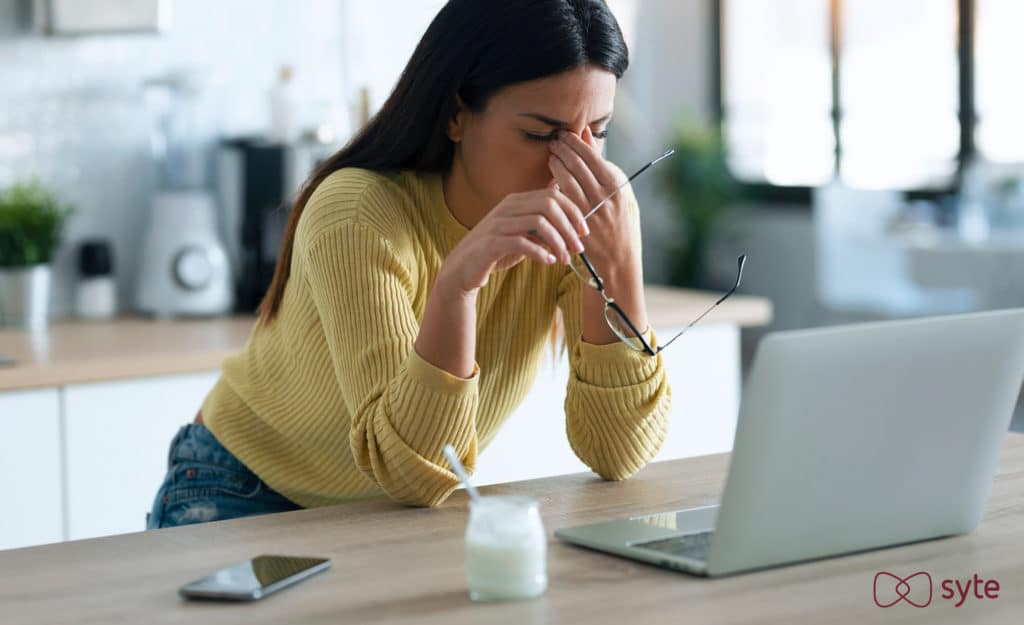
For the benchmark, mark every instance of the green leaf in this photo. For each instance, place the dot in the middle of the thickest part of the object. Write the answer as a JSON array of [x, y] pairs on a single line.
[[698, 179], [31, 220]]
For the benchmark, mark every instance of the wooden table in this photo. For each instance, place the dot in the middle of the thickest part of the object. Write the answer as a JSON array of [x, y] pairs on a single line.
[[395, 564]]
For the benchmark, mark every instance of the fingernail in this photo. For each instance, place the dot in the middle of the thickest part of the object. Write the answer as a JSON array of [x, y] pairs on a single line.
[[586, 229], [551, 259]]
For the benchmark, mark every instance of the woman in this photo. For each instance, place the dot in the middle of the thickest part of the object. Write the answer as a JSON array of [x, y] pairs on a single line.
[[421, 275]]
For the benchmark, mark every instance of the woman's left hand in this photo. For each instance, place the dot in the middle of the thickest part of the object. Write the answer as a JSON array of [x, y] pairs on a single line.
[[586, 178]]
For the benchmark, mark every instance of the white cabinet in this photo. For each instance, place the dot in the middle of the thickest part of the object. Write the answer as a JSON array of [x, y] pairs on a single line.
[[86, 460], [532, 441], [118, 434], [30, 468], [703, 369]]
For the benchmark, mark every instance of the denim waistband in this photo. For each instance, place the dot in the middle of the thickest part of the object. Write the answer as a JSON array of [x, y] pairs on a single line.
[[195, 443]]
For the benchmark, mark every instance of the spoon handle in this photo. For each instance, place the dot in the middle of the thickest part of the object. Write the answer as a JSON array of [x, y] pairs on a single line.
[[453, 459]]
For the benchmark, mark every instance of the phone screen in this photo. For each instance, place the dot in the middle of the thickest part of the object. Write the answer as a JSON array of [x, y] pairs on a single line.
[[255, 578]]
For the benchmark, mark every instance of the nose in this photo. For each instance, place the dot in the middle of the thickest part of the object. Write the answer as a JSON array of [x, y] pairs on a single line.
[[581, 132]]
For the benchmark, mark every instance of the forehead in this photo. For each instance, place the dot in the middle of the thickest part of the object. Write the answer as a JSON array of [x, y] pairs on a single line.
[[570, 96]]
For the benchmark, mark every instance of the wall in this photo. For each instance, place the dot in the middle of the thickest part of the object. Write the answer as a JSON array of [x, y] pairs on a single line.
[[74, 115], [667, 84]]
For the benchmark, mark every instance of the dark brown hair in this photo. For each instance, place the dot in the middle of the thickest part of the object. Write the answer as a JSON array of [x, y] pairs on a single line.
[[471, 49]]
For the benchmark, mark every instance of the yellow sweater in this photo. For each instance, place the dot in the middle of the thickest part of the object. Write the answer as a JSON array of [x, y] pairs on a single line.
[[330, 402]]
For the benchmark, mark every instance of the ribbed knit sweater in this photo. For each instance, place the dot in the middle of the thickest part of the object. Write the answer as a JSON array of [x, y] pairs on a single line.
[[329, 402]]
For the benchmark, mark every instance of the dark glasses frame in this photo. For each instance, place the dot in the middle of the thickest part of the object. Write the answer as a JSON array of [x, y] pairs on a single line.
[[635, 339], [610, 305]]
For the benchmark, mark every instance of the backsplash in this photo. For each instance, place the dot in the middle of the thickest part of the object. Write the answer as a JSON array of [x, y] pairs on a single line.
[[73, 111]]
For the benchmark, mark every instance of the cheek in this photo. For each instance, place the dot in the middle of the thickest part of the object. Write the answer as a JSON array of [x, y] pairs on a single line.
[[507, 163]]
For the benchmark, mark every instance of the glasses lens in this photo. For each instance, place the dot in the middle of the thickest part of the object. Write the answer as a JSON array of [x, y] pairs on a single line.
[[580, 269], [621, 329]]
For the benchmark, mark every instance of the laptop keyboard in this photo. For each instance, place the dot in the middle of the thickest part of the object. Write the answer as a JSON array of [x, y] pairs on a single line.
[[695, 546]]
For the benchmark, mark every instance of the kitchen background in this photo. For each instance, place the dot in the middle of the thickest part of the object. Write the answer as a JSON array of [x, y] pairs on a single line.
[[872, 167], [75, 113], [75, 110]]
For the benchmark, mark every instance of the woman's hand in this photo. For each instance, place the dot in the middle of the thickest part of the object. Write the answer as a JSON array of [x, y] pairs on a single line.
[[519, 227], [586, 178]]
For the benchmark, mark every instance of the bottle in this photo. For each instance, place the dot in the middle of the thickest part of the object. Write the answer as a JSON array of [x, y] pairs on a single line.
[[506, 549], [282, 108], [96, 292], [363, 111]]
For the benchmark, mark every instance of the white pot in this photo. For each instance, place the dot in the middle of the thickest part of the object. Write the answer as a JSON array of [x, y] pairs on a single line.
[[25, 296]]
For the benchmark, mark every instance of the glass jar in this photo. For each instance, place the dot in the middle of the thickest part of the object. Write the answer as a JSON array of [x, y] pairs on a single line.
[[506, 549]]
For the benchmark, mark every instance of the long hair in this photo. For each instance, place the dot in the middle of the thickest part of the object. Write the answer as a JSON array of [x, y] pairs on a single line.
[[471, 49]]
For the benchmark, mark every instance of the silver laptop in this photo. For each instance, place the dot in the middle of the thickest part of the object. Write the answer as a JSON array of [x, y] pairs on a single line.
[[849, 438]]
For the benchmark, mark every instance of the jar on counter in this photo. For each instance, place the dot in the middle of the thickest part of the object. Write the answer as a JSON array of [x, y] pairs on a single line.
[[506, 549], [96, 292]]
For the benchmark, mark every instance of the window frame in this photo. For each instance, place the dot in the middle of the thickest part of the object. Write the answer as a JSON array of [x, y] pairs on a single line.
[[801, 196]]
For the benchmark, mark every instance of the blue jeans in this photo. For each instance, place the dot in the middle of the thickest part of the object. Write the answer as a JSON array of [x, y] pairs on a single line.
[[205, 482]]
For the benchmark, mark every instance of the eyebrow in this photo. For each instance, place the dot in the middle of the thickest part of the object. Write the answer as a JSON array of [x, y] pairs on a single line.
[[558, 123]]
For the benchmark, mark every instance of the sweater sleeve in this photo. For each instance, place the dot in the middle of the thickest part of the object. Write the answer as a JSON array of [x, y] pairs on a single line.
[[404, 409], [618, 400]]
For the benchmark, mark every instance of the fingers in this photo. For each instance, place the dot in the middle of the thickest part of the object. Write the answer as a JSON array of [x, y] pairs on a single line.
[[581, 158], [522, 246], [586, 146], [572, 191], [566, 217], [540, 228], [573, 210]]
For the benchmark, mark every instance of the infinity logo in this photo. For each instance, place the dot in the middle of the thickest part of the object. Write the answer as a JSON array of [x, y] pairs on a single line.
[[912, 589]]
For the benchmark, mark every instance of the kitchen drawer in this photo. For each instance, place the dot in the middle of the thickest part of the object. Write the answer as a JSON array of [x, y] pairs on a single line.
[[118, 434], [30, 468]]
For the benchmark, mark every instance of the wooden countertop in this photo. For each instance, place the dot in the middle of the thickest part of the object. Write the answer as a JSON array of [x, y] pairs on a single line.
[[396, 564], [80, 352]]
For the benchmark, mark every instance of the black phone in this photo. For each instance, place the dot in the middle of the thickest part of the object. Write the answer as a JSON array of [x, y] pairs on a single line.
[[255, 578]]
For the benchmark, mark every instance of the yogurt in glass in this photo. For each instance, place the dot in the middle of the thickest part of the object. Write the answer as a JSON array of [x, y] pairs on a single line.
[[506, 549]]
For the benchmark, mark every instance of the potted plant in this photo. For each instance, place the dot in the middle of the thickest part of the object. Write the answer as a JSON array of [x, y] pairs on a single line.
[[31, 219], [698, 179]]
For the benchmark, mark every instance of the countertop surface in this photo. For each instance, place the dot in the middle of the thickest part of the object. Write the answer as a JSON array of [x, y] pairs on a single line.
[[396, 564], [74, 352]]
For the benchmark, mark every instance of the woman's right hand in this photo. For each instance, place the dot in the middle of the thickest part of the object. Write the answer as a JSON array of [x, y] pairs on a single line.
[[519, 227]]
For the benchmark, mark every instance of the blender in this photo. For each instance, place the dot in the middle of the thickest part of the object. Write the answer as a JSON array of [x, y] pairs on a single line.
[[184, 264]]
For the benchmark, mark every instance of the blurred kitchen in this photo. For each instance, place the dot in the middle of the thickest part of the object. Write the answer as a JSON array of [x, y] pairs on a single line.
[[868, 157]]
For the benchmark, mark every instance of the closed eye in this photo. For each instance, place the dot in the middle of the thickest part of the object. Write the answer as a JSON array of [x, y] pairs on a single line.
[[551, 137]]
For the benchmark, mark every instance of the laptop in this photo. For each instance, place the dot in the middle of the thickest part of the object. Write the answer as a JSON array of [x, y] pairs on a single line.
[[849, 438]]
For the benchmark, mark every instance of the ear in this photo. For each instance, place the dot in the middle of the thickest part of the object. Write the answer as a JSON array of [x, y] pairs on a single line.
[[457, 123]]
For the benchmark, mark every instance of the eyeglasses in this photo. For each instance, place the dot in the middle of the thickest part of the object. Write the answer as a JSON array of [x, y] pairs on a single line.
[[617, 319]]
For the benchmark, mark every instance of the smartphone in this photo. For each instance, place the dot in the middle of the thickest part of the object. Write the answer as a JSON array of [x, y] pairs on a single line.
[[255, 578]]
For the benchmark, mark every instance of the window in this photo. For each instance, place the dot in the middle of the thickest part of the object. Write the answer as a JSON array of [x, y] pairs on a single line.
[[898, 94], [891, 95], [999, 89], [777, 94]]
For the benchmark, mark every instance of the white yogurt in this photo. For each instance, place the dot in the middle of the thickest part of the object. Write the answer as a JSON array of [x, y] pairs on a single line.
[[506, 549]]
